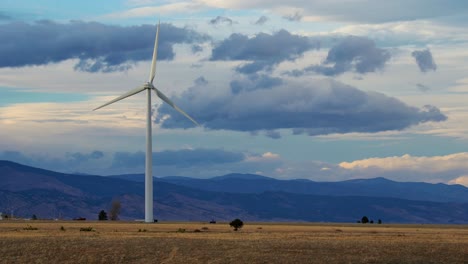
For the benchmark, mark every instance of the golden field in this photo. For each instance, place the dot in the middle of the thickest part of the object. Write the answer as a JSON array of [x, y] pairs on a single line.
[[135, 242]]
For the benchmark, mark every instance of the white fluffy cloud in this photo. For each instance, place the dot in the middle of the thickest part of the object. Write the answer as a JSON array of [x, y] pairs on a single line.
[[462, 180], [265, 157], [451, 169], [455, 161]]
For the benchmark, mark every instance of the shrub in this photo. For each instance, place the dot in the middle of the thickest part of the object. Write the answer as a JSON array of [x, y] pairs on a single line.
[[115, 210], [102, 215], [204, 228], [29, 227], [86, 229], [181, 230], [364, 220], [142, 230], [196, 231], [62, 228], [236, 224]]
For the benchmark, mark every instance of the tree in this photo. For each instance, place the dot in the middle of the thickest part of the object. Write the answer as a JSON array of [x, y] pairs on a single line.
[[236, 223], [115, 210], [33, 217], [379, 221], [102, 215], [364, 220]]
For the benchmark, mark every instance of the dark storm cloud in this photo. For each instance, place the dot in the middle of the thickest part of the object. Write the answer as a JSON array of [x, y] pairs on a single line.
[[264, 50], [221, 20], [358, 54], [261, 20], [253, 82], [317, 108], [424, 60], [252, 68], [98, 47], [181, 158]]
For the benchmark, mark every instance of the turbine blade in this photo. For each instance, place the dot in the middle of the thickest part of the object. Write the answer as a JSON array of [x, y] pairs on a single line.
[[123, 96], [155, 56], [169, 102]]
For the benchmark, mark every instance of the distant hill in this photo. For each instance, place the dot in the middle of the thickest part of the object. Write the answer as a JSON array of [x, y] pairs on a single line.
[[377, 187], [26, 191]]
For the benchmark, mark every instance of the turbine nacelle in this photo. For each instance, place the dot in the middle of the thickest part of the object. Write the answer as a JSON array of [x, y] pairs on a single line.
[[148, 85]]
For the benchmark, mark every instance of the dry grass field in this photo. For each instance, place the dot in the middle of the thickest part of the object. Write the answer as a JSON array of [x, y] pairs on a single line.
[[133, 242]]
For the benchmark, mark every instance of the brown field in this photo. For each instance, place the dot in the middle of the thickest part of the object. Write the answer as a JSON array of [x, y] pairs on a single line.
[[133, 242]]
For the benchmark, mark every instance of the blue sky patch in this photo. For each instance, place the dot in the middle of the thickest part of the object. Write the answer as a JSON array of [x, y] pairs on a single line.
[[9, 96]]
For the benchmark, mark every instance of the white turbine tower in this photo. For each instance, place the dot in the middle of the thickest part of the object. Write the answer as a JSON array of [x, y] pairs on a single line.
[[149, 217]]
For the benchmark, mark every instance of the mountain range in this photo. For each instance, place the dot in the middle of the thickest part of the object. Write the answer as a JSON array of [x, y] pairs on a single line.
[[26, 190], [376, 187]]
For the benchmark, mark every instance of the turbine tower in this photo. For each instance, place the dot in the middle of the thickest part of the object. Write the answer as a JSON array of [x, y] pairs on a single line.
[[149, 217]]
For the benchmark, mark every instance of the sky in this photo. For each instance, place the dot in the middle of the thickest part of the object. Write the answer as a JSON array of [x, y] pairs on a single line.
[[319, 90]]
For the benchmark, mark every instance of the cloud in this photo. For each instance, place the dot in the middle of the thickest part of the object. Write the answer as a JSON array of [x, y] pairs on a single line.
[[423, 88], [273, 134], [462, 180], [72, 162], [221, 20], [253, 82], [451, 168], [424, 60], [318, 108], [98, 47], [80, 157], [407, 162], [261, 20], [15, 156], [200, 81], [296, 16], [264, 50], [353, 53], [200, 163], [164, 9], [180, 158], [408, 33], [4, 16], [265, 157], [362, 11], [197, 48]]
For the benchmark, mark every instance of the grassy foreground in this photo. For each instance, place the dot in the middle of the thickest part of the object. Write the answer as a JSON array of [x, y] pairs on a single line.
[[133, 242]]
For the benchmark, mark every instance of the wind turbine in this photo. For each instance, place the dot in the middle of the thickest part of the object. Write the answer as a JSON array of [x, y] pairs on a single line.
[[148, 86]]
